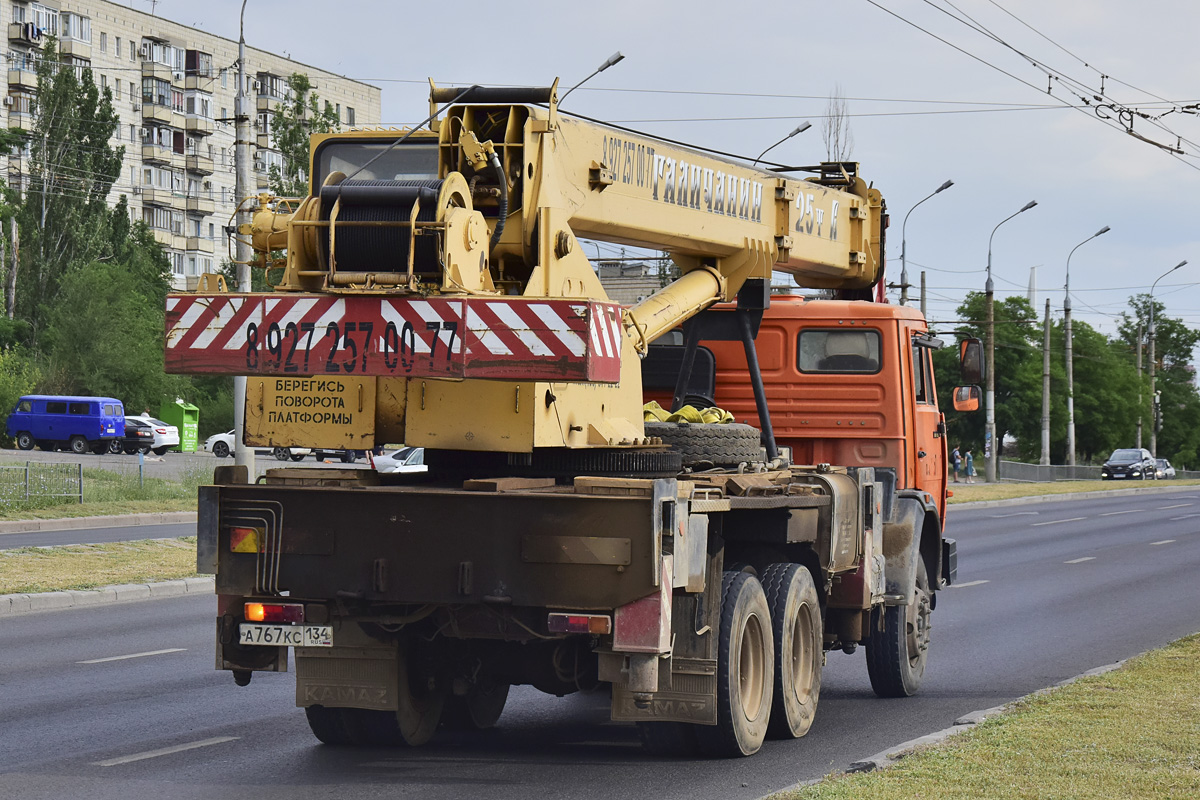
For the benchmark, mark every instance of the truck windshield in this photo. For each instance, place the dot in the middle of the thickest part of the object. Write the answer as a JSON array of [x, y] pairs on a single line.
[[406, 162]]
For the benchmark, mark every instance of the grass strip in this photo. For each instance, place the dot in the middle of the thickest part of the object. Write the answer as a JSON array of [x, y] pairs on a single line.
[[106, 492], [1130, 733], [89, 566], [970, 492]]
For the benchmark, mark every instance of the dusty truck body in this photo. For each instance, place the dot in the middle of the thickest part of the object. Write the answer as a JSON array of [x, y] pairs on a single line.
[[556, 540]]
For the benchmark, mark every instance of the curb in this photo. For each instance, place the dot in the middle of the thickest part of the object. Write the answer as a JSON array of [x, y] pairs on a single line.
[[114, 521], [1050, 498], [14, 604]]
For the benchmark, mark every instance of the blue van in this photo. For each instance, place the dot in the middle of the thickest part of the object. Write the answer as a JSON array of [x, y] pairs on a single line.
[[78, 424]]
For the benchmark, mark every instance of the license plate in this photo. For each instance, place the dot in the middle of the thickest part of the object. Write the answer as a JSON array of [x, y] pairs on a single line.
[[253, 633]]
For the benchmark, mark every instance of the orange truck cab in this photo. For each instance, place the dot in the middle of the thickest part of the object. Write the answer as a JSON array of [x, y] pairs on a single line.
[[847, 382]]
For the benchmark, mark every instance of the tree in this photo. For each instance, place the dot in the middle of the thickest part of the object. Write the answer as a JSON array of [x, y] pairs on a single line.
[[835, 128], [293, 122], [64, 219], [1018, 375]]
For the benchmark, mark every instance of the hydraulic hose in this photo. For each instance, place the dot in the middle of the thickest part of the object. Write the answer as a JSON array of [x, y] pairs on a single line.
[[495, 159]]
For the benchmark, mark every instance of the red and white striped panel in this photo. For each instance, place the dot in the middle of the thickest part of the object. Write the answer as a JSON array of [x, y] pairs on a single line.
[[504, 338]]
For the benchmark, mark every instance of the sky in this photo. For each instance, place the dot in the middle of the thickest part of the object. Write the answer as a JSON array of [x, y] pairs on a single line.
[[739, 76]]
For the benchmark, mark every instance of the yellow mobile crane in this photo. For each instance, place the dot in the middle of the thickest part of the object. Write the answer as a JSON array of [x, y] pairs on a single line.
[[434, 291]]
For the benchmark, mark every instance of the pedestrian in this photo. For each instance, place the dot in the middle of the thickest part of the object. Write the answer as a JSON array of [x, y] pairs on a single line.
[[956, 461], [969, 465]]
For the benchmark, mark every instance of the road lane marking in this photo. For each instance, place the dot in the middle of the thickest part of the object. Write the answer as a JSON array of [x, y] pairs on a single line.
[[1114, 513], [165, 751], [1081, 560], [1164, 541], [965, 585], [1055, 521], [1185, 516], [1177, 505], [1014, 514], [133, 655]]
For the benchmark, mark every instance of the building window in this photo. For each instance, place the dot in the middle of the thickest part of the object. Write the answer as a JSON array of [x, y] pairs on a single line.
[[339, 112], [132, 50], [131, 135], [45, 19], [76, 27], [224, 84], [104, 43], [349, 115], [117, 49]]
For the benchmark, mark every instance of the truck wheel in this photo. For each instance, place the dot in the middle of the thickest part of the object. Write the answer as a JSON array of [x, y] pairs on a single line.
[[745, 670], [281, 453], [79, 445], [799, 645], [704, 443], [676, 739], [331, 725], [479, 709], [220, 449], [896, 654], [25, 440]]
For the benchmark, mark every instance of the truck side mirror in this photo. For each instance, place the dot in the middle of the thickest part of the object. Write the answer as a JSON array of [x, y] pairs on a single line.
[[970, 359], [966, 398]]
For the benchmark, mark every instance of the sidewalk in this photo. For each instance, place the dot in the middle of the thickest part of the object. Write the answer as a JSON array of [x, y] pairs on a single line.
[[14, 604]]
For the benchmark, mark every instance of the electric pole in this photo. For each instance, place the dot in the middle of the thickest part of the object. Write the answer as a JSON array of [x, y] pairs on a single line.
[[1139, 372], [1045, 460], [991, 447], [1155, 406], [241, 154]]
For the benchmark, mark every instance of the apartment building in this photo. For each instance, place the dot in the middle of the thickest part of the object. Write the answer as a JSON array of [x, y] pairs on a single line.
[[173, 87]]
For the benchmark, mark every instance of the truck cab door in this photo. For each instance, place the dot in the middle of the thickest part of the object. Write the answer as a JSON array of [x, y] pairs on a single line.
[[929, 429]]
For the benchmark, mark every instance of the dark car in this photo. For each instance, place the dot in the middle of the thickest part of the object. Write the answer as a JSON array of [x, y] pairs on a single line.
[[138, 436], [1131, 463]]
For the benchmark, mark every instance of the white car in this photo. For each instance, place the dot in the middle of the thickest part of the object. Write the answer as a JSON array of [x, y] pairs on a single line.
[[407, 460], [165, 436], [220, 444]]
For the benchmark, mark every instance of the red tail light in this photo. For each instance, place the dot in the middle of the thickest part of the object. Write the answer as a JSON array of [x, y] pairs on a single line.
[[579, 623], [274, 612]]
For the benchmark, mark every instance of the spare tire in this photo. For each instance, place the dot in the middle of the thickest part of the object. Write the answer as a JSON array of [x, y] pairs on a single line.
[[710, 443]]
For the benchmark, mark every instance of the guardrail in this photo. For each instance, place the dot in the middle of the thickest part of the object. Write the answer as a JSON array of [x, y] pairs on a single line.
[[36, 481], [1022, 472]]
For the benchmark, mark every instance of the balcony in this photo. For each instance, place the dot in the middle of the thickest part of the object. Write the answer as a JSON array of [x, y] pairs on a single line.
[[201, 204], [264, 141], [202, 81], [156, 197], [21, 121], [157, 113], [157, 154], [153, 69], [201, 165], [201, 126], [162, 237], [25, 33], [23, 78], [74, 47], [199, 244]]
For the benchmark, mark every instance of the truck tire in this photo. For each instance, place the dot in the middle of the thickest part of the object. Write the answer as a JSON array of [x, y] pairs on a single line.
[[745, 671], [79, 445], [704, 443], [897, 650], [479, 709], [25, 440], [671, 739], [799, 647], [331, 725]]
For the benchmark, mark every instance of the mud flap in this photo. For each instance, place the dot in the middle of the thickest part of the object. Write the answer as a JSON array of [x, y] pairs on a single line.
[[687, 692], [348, 677]]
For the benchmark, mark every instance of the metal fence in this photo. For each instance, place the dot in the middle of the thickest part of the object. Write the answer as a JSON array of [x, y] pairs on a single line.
[[1022, 472], [38, 481]]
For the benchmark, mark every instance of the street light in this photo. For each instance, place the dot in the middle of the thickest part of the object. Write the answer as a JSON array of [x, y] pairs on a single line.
[[1070, 367], [801, 128], [903, 245], [1153, 394], [990, 449], [614, 59]]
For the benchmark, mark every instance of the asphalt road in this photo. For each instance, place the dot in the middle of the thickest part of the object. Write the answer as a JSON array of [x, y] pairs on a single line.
[[96, 535], [1046, 591]]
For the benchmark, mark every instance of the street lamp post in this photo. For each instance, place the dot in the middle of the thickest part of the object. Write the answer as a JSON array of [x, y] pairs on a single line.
[[1154, 405], [904, 245], [1070, 357], [799, 129], [991, 450]]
